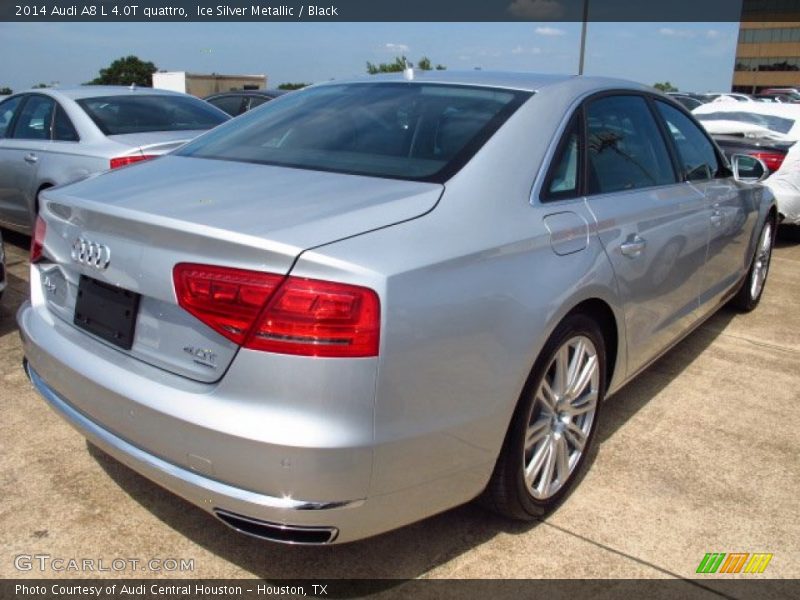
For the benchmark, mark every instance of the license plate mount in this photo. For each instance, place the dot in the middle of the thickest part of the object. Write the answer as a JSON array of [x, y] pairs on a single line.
[[107, 311]]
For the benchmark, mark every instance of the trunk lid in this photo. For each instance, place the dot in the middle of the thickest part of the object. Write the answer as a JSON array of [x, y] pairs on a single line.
[[156, 214], [156, 142]]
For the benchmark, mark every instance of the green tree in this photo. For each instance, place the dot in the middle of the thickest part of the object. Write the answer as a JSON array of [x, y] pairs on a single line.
[[292, 86], [6, 91], [40, 86], [399, 64], [126, 71], [666, 86], [425, 64]]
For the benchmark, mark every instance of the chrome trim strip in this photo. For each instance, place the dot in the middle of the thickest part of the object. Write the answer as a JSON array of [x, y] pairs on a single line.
[[92, 429]]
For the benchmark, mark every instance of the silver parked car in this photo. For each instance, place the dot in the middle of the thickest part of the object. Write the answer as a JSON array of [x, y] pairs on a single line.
[[375, 300], [50, 137]]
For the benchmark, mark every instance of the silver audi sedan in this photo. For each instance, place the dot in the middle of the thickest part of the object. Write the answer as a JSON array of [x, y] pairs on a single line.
[[371, 301], [50, 137]]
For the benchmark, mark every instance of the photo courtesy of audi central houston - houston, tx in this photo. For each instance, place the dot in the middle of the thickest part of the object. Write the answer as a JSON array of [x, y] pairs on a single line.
[[370, 301]]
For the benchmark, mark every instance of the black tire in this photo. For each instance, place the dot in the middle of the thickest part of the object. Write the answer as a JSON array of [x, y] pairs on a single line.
[[746, 299], [508, 493]]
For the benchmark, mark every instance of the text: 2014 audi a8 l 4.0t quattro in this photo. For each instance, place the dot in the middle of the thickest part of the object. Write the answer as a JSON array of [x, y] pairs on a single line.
[[371, 301]]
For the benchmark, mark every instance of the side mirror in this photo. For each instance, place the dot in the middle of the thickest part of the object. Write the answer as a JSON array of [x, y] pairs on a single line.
[[748, 169]]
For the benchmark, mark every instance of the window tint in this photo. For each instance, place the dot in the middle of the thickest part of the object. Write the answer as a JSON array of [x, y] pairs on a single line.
[[562, 181], [625, 148], [402, 130], [117, 115], [35, 120], [257, 101], [697, 156], [230, 104], [7, 110], [63, 130]]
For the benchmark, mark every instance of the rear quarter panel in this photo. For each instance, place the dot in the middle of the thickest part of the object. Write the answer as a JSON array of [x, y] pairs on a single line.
[[469, 294]]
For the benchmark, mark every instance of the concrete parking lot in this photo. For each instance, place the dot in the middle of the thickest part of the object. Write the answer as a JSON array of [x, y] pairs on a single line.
[[700, 454]]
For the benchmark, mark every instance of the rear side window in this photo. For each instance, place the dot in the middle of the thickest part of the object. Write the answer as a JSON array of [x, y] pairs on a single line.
[[625, 148], [230, 104], [118, 115], [35, 120], [406, 130], [7, 110], [562, 180], [697, 155], [63, 129], [257, 101]]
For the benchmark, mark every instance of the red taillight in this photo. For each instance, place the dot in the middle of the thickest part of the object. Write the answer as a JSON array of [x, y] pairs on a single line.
[[319, 318], [37, 241], [227, 300], [122, 161], [287, 315], [773, 160]]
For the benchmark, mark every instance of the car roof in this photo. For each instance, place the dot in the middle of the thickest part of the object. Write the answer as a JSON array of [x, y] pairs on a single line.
[[93, 91], [530, 82]]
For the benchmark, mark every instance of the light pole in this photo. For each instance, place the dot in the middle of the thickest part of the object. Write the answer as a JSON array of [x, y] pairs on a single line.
[[583, 35]]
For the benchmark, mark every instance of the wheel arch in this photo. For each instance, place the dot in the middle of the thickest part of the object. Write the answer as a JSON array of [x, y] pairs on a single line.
[[602, 314]]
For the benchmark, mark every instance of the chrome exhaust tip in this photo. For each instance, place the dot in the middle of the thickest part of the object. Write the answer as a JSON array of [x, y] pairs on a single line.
[[274, 532]]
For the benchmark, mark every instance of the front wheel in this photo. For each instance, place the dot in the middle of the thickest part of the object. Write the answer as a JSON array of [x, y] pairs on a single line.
[[554, 423], [749, 295]]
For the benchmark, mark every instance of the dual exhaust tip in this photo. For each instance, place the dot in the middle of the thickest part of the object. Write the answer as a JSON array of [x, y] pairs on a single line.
[[274, 532]]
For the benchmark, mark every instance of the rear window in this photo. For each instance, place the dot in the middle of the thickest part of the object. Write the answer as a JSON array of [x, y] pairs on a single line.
[[779, 124], [416, 131], [118, 115]]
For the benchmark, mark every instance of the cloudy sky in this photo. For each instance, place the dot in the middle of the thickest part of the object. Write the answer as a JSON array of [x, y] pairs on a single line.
[[693, 56]]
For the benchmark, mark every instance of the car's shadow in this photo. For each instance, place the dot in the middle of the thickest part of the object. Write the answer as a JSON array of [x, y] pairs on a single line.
[[413, 550]]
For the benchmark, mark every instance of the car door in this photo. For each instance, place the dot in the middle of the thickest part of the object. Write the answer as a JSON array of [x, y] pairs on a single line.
[[9, 160], [731, 207], [30, 138], [653, 226]]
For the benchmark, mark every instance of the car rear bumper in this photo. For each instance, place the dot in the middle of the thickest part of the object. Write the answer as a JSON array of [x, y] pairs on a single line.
[[216, 497], [315, 495]]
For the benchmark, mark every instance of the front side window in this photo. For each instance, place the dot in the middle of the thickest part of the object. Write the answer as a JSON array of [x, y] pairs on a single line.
[[7, 110], [625, 148], [697, 155], [118, 115], [402, 130], [35, 120]]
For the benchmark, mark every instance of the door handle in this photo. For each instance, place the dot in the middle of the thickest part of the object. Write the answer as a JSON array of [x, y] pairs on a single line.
[[634, 246], [716, 218], [30, 157]]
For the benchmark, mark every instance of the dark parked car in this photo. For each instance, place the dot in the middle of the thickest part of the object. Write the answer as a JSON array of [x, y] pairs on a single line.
[[236, 103], [687, 101]]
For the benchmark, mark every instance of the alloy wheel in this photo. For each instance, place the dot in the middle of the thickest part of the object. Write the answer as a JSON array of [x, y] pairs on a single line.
[[562, 416], [761, 264]]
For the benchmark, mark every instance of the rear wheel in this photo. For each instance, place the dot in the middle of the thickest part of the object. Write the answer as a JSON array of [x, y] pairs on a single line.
[[554, 424], [749, 295]]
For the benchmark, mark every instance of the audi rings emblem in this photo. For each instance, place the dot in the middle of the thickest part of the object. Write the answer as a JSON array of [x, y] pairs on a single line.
[[91, 254]]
